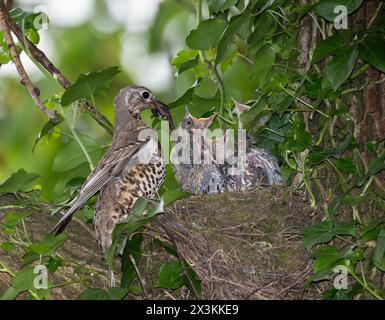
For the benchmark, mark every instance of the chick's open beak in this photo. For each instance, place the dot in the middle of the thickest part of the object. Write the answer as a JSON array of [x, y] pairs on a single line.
[[160, 109]]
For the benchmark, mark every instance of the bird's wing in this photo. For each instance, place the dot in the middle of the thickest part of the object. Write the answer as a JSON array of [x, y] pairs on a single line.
[[110, 165]]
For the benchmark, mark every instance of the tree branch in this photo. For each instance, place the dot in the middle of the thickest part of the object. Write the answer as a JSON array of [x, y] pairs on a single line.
[[25, 80], [41, 58]]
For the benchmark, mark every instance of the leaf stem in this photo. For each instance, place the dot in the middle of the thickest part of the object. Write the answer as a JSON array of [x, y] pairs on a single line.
[[210, 65]]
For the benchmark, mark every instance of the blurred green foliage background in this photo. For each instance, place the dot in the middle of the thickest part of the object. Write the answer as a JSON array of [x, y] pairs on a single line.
[[141, 37], [99, 39]]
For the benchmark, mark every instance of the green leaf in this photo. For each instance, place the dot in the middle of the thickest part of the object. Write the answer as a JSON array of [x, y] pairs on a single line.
[[317, 156], [327, 47], [171, 276], [266, 25], [206, 35], [171, 195], [216, 4], [318, 233], [345, 165], [32, 35], [20, 181], [298, 139], [24, 280], [326, 258], [281, 107], [133, 249], [347, 144], [19, 16], [370, 232], [71, 155], [346, 228], [10, 294], [4, 52], [235, 24], [263, 63], [182, 56], [339, 70], [376, 165], [142, 212], [372, 49], [379, 252], [88, 84], [325, 8], [54, 263], [47, 130], [188, 65], [334, 206], [12, 219], [7, 246], [221, 5], [48, 245], [100, 294]]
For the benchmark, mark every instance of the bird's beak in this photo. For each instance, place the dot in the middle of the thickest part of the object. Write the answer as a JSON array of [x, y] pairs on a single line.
[[160, 109]]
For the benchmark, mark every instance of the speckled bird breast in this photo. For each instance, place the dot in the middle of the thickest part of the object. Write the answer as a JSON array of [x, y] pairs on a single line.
[[143, 179]]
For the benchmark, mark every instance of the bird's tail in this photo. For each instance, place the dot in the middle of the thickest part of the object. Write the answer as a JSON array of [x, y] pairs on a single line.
[[61, 225]]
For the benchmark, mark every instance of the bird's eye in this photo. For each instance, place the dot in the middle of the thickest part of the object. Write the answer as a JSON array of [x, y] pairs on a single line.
[[145, 94], [188, 122]]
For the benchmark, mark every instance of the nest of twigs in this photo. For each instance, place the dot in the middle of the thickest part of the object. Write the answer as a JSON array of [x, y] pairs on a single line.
[[240, 245]]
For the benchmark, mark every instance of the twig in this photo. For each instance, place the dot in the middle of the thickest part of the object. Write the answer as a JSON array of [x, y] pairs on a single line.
[[378, 9], [211, 66], [284, 291], [192, 286], [42, 59], [25, 80], [141, 280]]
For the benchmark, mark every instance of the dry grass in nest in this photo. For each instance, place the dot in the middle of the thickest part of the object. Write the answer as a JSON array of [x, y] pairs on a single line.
[[240, 245]]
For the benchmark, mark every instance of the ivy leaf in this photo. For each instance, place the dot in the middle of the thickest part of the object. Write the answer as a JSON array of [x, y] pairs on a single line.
[[341, 67], [206, 35], [88, 84], [141, 213], [48, 245], [20, 181], [346, 228], [370, 232], [263, 62], [379, 252], [100, 294], [298, 139], [12, 219], [326, 258], [371, 49], [318, 233], [24, 280], [233, 27], [171, 276], [325, 8], [345, 165], [376, 165], [327, 47]]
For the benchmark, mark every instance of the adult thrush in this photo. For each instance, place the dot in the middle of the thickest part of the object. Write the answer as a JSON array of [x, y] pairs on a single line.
[[132, 167]]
